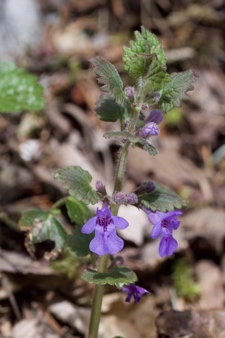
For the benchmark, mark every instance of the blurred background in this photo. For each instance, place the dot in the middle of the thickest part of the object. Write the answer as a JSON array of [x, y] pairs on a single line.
[[43, 296]]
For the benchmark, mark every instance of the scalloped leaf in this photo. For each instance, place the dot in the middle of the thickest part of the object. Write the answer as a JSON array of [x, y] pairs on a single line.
[[77, 181], [118, 276], [161, 199], [18, 89], [79, 243], [138, 57], [109, 77], [176, 90], [107, 109], [156, 76]]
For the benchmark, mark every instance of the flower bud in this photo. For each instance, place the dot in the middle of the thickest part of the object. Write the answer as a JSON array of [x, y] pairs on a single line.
[[150, 129], [100, 187], [132, 199], [155, 116], [156, 97], [119, 198], [149, 187], [130, 93]]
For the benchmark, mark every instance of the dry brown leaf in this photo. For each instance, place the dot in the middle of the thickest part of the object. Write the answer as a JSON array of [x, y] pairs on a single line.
[[209, 276], [192, 324], [207, 223]]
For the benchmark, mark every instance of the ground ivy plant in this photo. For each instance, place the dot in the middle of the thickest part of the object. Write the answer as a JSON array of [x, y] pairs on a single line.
[[140, 109]]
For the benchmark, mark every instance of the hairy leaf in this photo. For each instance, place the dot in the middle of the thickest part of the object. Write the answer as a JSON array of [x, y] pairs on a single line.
[[79, 243], [147, 147], [161, 199], [156, 76], [176, 90], [108, 110], [138, 57], [18, 89], [109, 77], [78, 211], [118, 134], [118, 276], [77, 181]]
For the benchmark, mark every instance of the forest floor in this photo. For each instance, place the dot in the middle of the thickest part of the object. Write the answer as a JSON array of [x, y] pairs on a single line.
[[43, 296]]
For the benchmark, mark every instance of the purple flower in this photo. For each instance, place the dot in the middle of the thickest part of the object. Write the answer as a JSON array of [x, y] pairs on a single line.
[[155, 116], [105, 224], [149, 187], [150, 128], [135, 291], [100, 187], [130, 92], [163, 224], [132, 198], [119, 198]]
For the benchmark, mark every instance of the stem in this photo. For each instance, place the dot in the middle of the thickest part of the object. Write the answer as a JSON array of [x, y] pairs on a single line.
[[99, 289], [4, 217], [133, 120], [97, 301], [59, 203], [121, 166]]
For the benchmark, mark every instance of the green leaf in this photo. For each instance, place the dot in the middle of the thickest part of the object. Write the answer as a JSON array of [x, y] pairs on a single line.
[[175, 90], [118, 276], [52, 230], [156, 76], [77, 181], [138, 57], [147, 147], [79, 243], [118, 135], [78, 211], [43, 226], [33, 216], [161, 199], [109, 77], [109, 110], [18, 89]]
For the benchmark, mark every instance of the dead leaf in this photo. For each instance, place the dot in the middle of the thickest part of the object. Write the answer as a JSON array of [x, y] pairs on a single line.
[[192, 324]]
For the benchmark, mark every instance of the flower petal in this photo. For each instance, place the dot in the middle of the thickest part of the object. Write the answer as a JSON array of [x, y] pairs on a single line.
[[97, 245], [155, 116], [89, 226], [120, 222], [150, 129], [172, 220], [167, 246], [133, 290], [156, 230], [155, 217], [113, 243]]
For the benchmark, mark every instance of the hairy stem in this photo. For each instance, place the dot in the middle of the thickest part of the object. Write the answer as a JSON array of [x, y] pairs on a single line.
[[99, 289], [121, 166]]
